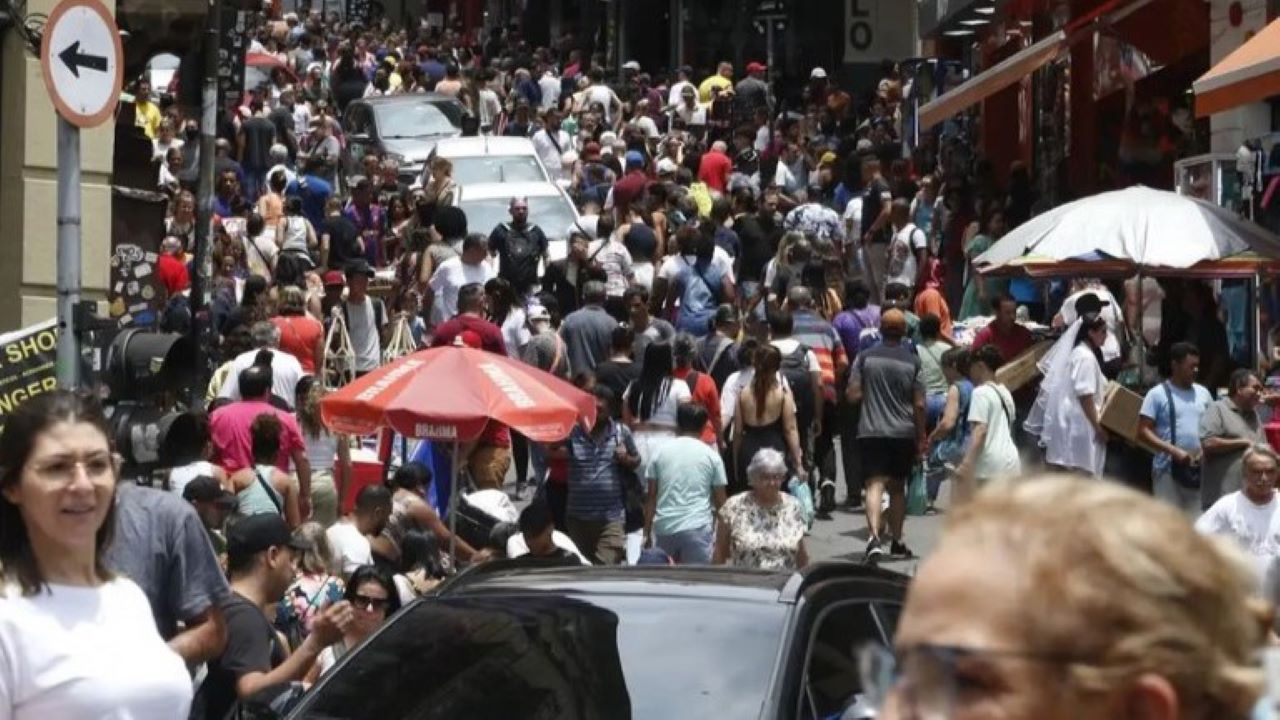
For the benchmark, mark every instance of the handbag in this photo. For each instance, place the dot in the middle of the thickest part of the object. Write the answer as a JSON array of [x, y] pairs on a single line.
[[1188, 475]]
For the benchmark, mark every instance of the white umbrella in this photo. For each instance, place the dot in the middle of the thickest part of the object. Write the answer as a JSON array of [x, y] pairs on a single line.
[[1148, 228]]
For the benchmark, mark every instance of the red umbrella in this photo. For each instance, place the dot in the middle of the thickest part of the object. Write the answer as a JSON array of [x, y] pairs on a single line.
[[451, 394]]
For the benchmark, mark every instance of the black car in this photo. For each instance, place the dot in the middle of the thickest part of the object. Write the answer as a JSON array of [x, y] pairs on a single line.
[[402, 127], [510, 641]]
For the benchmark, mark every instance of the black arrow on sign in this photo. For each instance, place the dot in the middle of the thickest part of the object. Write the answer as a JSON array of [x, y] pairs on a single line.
[[74, 60]]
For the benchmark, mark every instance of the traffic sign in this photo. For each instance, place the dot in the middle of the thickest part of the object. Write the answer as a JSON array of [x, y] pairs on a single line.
[[82, 62]]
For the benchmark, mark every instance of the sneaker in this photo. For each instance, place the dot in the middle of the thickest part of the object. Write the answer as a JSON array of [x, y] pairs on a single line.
[[899, 549], [827, 496], [874, 551], [519, 491], [931, 509], [854, 503]]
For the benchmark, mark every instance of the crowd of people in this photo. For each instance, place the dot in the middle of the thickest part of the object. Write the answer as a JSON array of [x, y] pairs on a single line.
[[754, 293]]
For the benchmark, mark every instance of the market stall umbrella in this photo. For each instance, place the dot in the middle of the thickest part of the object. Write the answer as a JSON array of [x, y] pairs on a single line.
[[1249, 74], [1140, 226], [450, 394]]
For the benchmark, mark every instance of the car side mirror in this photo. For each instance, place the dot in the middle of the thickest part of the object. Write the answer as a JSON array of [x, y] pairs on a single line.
[[273, 702]]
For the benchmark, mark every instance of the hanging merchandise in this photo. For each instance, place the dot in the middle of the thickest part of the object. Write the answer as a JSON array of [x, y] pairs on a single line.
[[338, 366]]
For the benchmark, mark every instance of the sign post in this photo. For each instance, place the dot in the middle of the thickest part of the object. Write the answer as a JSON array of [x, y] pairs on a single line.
[[80, 58], [770, 18]]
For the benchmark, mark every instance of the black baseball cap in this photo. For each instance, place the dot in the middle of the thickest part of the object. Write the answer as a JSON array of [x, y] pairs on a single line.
[[207, 489], [256, 533], [359, 266]]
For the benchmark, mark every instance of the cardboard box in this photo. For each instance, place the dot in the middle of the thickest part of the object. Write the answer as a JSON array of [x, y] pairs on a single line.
[[1121, 410], [1024, 368]]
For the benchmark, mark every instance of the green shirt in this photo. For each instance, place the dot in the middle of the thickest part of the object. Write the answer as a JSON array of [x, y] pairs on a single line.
[[687, 471]]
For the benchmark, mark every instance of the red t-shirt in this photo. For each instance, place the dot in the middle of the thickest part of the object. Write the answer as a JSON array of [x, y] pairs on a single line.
[[173, 274], [628, 190], [714, 170], [298, 337], [706, 395], [1010, 345]]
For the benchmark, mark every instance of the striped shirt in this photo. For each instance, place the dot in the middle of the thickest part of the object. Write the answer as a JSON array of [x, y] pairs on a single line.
[[595, 479], [814, 331]]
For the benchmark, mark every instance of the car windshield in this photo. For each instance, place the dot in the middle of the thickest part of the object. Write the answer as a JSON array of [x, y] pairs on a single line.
[[553, 656], [409, 120], [497, 168], [552, 213]]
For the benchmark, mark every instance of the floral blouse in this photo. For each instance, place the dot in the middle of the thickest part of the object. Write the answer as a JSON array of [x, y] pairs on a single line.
[[760, 537], [305, 598]]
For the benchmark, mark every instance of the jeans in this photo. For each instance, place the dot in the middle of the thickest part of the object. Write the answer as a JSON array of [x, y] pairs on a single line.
[[688, 547]]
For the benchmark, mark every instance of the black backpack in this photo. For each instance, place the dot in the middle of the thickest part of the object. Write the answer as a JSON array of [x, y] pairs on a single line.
[[795, 368]]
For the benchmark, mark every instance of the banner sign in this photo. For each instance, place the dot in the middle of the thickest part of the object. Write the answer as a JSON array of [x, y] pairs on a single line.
[[879, 29], [27, 358]]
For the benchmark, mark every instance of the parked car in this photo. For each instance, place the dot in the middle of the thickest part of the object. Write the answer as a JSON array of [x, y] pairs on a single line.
[[490, 159], [404, 128], [487, 204], [506, 640]]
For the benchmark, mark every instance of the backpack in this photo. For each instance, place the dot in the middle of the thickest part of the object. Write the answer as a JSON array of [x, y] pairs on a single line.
[[795, 368]]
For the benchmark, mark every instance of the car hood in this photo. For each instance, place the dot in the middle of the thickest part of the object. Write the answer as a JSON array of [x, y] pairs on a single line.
[[415, 150]]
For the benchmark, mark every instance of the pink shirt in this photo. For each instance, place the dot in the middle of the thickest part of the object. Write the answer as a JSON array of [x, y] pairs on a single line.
[[232, 442]]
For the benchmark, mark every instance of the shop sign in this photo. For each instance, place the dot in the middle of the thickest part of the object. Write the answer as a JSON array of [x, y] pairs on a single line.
[[27, 358], [878, 29]]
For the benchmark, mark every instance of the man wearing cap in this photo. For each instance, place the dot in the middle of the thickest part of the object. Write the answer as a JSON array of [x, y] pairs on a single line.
[[551, 143], [818, 87], [261, 554], [751, 92], [886, 383], [314, 190], [159, 543], [684, 79], [629, 190], [213, 504], [520, 247], [366, 317]]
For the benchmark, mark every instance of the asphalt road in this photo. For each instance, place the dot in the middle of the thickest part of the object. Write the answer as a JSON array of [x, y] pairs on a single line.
[[844, 536]]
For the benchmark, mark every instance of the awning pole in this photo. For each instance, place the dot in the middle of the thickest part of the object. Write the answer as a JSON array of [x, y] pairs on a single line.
[[453, 504]]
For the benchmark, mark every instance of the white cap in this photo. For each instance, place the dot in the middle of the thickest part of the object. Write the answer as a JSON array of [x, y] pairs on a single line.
[[667, 166], [631, 65], [817, 74]]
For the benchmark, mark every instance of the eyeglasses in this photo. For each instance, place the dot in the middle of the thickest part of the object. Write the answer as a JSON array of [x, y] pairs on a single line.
[[63, 469], [923, 678], [372, 604]]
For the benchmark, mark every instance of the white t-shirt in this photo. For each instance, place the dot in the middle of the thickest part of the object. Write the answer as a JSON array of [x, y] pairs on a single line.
[[993, 406], [1255, 527], [262, 255], [604, 95], [181, 475], [673, 264], [517, 547], [664, 415], [902, 255], [515, 332], [366, 340], [677, 91], [349, 546], [87, 652], [286, 371], [490, 107], [544, 143], [549, 84], [448, 279]]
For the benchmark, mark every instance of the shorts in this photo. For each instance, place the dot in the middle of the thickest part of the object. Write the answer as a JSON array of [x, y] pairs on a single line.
[[890, 458]]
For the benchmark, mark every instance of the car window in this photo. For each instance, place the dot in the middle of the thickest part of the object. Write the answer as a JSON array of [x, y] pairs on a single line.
[[357, 120], [549, 656], [832, 686], [410, 120], [552, 213], [497, 168]]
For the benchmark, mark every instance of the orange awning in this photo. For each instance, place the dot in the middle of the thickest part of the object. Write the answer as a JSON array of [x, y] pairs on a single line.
[[987, 83], [1250, 74]]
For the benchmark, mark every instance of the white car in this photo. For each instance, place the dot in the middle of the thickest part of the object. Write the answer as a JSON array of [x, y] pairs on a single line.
[[489, 159], [488, 204]]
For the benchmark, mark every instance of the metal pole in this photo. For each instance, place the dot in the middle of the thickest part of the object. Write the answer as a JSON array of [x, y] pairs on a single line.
[[768, 43], [453, 504], [68, 253], [204, 191]]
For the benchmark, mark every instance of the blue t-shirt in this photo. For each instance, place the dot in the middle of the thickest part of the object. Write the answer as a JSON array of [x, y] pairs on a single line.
[[595, 479], [314, 193], [1189, 404]]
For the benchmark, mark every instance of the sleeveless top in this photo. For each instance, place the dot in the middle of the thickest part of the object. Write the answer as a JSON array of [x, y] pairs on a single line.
[[259, 496], [295, 234]]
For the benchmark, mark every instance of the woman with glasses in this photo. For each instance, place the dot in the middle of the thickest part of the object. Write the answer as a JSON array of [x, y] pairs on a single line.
[[76, 641], [373, 597], [1059, 597], [763, 528]]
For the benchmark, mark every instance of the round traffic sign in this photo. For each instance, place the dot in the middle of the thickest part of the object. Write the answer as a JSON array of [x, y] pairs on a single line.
[[82, 62]]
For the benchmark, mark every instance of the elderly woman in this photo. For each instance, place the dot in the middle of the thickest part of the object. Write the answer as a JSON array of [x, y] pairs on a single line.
[[763, 528], [1152, 621]]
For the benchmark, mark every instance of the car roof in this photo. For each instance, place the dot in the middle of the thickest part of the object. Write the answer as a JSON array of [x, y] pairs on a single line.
[[488, 191], [476, 146], [406, 98], [693, 581]]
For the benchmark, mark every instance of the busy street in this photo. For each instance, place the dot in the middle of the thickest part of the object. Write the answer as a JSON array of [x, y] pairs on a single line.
[[612, 359]]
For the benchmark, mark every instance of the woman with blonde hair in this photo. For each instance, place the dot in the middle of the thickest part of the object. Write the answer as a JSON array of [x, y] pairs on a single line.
[[316, 585], [441, 190], [1061, 597]]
